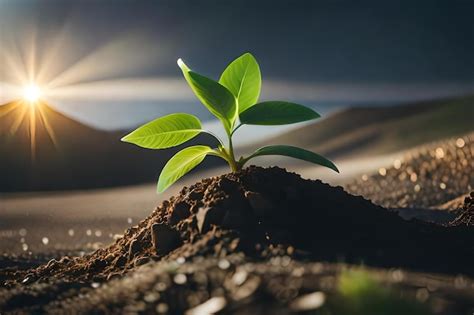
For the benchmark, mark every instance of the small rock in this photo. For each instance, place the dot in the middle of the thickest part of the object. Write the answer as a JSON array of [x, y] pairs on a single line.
[[180, 278], [239, 277], [134, 248], [208, 216], [308, 302], [179, 213], [110, 257], [247, 288], [65, 260], [164, 238], [29, 278], [211, 306], [51, 263]]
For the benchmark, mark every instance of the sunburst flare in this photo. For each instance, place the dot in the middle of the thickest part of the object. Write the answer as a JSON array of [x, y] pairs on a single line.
[[32, 93]]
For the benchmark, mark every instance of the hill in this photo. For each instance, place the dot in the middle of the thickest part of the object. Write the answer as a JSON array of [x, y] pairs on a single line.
[[66, 154], [365, 131], [42, 149]]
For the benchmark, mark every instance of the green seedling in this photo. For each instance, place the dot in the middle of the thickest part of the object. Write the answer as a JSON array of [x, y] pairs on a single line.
[[234, 101]]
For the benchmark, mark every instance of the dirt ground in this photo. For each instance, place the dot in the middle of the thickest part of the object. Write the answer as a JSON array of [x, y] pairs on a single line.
[[34, 228], [88, 219]]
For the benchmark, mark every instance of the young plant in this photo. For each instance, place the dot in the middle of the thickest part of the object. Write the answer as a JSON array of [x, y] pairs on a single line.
[[234, 101]]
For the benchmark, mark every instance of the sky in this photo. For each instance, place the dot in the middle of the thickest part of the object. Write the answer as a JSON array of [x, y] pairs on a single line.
[[112, 63]]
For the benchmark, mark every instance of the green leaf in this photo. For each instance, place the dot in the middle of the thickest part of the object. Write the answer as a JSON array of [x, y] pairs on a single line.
[[180, 164], [296, 153], [165, 132], [277, 113], [242, 77], [217, 98]]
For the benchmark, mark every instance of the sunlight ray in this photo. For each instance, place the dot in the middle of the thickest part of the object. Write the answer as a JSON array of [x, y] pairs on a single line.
[[48, 127], [108, 61], [21, 61], [18, 121], [32, 112], [144, 89], [12, 108], [13, 67], [56, 50], [31, 57], [9, 92]]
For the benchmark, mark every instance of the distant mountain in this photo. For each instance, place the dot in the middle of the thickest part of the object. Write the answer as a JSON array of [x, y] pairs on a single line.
[[66, 154], [365, 131], [69, 155]]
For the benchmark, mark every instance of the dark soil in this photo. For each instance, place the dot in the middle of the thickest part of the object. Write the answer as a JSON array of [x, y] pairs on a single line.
[[237, 285], [257, 209], [425, 177], [466, 218]]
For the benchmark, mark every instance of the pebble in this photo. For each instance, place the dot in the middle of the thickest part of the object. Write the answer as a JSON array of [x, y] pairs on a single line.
[[308, 302], [162, 308], [223, 264], [211, 306], [239, 277], [164, 238], [180, 278]]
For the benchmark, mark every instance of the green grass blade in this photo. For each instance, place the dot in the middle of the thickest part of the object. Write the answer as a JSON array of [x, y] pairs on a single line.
[[165, 132], [295, 152], [243, 78], [277, 113], [180, 164]]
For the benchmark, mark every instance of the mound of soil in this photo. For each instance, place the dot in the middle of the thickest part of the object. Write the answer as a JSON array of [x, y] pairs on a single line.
[[466, 216], [257, 211]]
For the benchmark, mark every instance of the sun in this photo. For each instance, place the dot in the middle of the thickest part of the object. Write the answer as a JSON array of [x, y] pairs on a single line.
[[32, 93]]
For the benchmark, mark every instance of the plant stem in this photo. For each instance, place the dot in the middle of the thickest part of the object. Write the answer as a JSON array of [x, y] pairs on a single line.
[[233, 164], [223, 154]]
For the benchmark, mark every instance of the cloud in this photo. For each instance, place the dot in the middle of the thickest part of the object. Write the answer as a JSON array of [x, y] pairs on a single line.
[[176, 89], [367, 92]]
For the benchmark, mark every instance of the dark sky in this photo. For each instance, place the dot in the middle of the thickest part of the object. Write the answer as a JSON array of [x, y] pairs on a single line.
[[304, 40], [326, 54]]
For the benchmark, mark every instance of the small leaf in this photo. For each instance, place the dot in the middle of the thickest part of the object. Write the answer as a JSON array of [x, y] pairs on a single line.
[[296, 153], [277, 113], [180, 164], [165, 132], [242, 77], [217, 98]]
